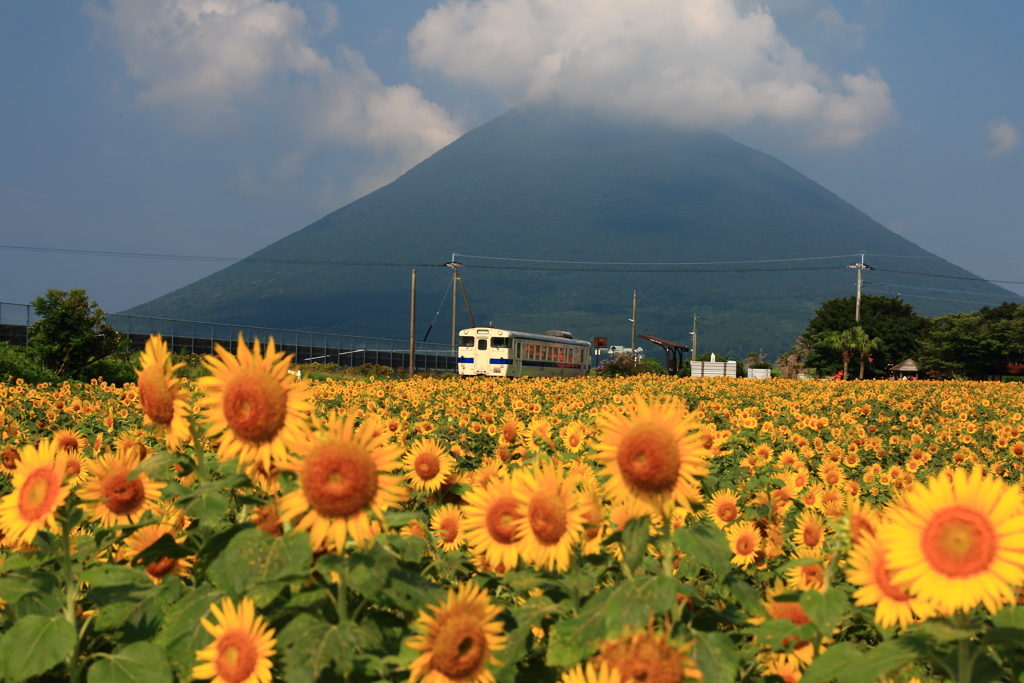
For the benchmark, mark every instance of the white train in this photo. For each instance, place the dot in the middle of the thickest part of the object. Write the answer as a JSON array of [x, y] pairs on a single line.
[[503, 353]]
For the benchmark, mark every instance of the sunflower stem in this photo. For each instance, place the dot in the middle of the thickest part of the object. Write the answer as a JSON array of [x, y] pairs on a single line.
[[70, 598], [964, 661], [197, 449]]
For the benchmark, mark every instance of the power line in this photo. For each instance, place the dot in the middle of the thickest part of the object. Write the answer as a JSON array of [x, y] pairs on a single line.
[[933, 298], [936, 289], [222, 259], [949, 277], [631, 263]]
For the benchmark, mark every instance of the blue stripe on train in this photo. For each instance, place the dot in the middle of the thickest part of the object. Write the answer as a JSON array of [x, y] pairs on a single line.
[[499, 361]]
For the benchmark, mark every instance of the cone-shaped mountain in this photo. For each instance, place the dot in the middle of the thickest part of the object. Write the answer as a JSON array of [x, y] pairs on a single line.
[[549, 185]]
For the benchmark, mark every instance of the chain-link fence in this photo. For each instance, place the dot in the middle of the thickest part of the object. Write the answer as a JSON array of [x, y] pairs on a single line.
[[188, 337]]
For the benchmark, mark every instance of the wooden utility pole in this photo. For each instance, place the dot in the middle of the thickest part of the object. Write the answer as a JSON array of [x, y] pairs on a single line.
[[861, 267], [455, 300], [412, 328], [632, 344]]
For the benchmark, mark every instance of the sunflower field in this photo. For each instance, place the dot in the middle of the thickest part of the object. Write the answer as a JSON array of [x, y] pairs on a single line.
[[249, 527]]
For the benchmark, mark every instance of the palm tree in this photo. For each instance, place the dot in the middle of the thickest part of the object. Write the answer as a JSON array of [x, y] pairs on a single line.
[[843, 342], [864, 345]]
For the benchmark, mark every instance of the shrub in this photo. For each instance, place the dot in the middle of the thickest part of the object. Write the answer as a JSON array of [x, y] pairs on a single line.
[[18, 362]]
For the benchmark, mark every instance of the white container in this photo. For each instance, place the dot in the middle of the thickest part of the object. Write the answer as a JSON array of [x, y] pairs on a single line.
[[759, 373]]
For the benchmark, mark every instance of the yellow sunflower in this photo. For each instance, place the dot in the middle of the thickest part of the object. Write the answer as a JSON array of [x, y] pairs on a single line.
[[810, 531], [723, 508], [648, 656], [586, 673], [163, 401], [574, 436], [551, 521], [893, 605], [491, 513], [142, 539], [446, 523], [256, 407], [458, 640], [808, 577], [655, 455], [958, 541], [744, 541], [343, 476], [39, 490], [111, 497], [70, 440], [429, 464], [242, 645]]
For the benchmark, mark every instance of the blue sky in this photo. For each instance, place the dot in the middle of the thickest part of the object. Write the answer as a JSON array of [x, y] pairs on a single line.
[[216, 127]]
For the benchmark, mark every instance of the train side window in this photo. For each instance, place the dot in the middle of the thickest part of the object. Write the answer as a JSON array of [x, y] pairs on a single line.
[[519, 349], [499, 342], [481, 344]]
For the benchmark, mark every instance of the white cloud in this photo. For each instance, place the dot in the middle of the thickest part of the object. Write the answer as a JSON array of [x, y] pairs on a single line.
[[207, 61], [697, 63], [1003, 136]]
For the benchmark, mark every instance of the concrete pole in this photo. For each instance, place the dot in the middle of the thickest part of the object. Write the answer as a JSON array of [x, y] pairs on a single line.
[[412, 328], [693, 351], [455, 299], [632, 344]]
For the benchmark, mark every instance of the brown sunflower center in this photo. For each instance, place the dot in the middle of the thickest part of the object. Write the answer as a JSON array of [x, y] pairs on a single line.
[[158, 569], [460, 646], [727, 512], [959, 541], [745, 544], [236, 656], [649, 458], [449, 528], [156, 396], [67, 443], [649, 660], [501, 519], [427, 465], [123, 497], [510, 432], [10, 456], [547, 515], [812, 534], [574, 439], [255, 405], [38, 494], [72, 468], [339, 479]]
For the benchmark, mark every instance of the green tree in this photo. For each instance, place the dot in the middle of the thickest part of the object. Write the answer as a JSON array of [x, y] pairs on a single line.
[[975, 345], [864, 345], [842, 343], [72, 332], [889, 318]]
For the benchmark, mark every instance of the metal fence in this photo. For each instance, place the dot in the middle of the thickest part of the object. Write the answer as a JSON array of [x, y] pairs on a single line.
[[188, 337]]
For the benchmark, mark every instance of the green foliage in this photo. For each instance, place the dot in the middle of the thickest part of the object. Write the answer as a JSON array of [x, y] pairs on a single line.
[[19, 362], [627, 365], [889, 318], [975, 345], [72, 332]]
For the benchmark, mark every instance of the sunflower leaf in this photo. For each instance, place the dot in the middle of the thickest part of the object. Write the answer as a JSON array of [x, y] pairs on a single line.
[[137, 663], [254, 558], [826, 609], [632, 602], [34, 645], [311, 646], [707, 545], [571, 640], [716, 657], [634, 541], [832, 663], [182, 632]]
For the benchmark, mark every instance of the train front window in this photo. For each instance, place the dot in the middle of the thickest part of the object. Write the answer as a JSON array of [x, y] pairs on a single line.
[[499, 342], [481, 344], [466, 341]]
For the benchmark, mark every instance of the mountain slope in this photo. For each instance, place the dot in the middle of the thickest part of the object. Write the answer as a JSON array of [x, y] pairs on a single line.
[[565, 186]]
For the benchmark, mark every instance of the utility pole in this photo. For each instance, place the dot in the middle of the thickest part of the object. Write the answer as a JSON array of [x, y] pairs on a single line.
[[632, 344], [861, 267], [693, 351], [412, 328], [454, 265]]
